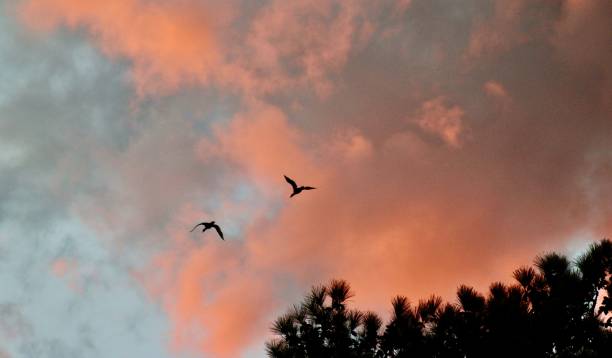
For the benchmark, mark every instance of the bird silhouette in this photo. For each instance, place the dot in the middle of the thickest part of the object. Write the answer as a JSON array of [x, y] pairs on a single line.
[[296, 189], [210, 225]]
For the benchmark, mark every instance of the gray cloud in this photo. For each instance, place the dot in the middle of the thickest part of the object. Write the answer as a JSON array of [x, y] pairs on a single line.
[[60, 103]]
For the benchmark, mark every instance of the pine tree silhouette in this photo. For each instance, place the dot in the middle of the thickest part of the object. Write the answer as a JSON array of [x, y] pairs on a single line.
[[557, 309]]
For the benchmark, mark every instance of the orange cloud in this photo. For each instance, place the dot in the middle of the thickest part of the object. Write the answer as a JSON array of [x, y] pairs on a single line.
[[352, 145], [310, 38], [168, 44], [263, 142], [399, 222], [216, 304], [495, 89], [446, 122], [172, 44], [500, 32]]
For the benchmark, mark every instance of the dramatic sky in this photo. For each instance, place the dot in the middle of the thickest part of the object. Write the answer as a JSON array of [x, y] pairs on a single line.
[[450, 142]]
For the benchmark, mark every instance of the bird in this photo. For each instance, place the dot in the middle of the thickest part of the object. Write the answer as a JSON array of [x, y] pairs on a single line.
[[210, 225], [296, 189]]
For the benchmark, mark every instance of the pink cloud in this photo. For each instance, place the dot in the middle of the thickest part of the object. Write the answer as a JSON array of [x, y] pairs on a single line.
[[444, 121], [263, 142], [498, 33], [185, 43], [303, 42], [495, 89], [390, 217], [168, 44], [216, 304], [352, 145]]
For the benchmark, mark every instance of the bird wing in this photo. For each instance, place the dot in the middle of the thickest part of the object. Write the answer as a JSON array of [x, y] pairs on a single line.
[[308, 188], [290, 181], [219, 231], [196, 226]]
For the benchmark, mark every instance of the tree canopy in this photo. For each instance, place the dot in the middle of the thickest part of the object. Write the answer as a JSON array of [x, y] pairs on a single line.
[[558, 308]]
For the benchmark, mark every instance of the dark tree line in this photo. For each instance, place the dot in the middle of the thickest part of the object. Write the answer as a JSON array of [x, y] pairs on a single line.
[[556, 309]]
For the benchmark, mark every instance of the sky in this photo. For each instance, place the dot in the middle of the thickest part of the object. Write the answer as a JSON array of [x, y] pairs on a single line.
[[450, 142]]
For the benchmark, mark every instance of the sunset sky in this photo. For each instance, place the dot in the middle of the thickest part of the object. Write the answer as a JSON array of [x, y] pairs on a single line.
[[450, 142]]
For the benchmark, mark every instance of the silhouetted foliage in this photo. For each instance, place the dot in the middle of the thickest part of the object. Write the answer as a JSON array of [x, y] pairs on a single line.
[[557, 309]]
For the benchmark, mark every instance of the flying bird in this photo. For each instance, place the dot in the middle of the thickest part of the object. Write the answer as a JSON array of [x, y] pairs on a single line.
[[210, 225], [296, 189]]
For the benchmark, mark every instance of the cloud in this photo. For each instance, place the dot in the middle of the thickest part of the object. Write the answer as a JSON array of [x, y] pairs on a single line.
[[262, 140], [352, 145], [500, 32], [215, 301], [303, 41], [64, 101], [495, 89], [167, 44], [173, 44], [446, 122], [581, 38], [61, 267], [231, 100]]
